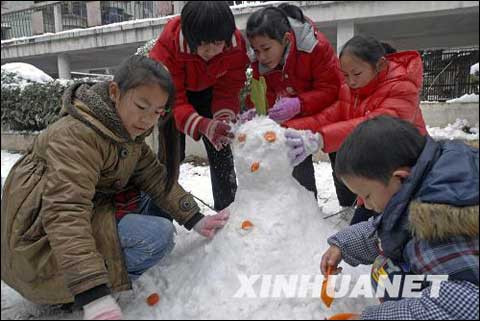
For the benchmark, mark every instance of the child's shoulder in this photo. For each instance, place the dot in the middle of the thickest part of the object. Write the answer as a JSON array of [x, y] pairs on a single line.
[[69, 127]]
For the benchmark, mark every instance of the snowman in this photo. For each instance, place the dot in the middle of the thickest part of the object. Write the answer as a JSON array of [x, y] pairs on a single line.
[[275, 232]]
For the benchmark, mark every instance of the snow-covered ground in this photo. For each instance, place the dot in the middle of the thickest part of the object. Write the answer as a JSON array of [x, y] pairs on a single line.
[[182, 272]]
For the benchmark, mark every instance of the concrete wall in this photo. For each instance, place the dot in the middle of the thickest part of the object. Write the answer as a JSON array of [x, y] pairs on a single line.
[[442, 114], [436, 115]]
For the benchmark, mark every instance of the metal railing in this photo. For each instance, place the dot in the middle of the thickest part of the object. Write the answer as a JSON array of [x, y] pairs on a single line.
[[118, 11], [446, 73], [74, 15], [19, 23]]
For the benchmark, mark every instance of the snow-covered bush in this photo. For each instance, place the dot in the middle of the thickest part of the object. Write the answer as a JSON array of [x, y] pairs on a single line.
[[32, 107], [32, 100], [145, 49]]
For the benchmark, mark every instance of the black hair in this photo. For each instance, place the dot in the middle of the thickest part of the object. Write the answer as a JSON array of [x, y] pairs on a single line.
[[292, 11], [378, 147], [365, 47], [207, 21], [272, 21], [388, 48], [140, 70]]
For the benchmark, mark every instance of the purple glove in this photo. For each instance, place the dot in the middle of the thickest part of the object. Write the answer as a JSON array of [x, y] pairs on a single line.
[[248, 115], [208, 225], [104, 308], [302, 144], [285, 109]]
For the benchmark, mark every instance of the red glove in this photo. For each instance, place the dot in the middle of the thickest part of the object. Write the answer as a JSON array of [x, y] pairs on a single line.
[[217, 132]]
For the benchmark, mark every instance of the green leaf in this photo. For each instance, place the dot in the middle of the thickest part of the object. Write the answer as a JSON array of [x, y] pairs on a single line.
[[258, 95]]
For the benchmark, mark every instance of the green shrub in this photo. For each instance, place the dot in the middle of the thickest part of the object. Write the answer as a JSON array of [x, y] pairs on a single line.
[[29, 106]]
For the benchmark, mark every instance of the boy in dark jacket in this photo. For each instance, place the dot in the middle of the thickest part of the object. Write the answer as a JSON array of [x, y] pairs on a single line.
[[427, 194]]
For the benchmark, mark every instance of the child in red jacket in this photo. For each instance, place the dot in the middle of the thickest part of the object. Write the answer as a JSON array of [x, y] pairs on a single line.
[[207, 58], [376, 83], [299, 66]]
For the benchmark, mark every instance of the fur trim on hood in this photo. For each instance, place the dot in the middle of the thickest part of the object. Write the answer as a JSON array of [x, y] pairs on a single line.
[[436, 222], [86, 100]]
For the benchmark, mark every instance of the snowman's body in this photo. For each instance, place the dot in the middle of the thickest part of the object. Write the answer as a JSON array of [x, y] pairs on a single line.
[[287, 239]]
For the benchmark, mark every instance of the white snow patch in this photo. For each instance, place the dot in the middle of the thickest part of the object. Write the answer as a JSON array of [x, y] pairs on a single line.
[[467, 98], [474, 69], [454, 131], [27, 72]]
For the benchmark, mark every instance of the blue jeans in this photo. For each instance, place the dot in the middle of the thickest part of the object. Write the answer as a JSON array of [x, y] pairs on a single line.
[[145, 237]]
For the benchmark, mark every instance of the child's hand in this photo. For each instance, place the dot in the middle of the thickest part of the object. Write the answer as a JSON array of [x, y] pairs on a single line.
[[332, 258], [209, 225]]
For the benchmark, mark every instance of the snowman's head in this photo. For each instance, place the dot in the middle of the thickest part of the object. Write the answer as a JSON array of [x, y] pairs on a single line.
[[260, 152]]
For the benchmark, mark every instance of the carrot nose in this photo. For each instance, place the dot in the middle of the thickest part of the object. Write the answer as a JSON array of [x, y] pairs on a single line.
[[255, 166]]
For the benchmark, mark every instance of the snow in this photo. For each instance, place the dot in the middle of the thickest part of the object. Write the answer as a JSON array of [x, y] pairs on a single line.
[[8, 160], [255, 4], [26, 72], [467, 98], [200, 277], [474, 69], [454, 131]]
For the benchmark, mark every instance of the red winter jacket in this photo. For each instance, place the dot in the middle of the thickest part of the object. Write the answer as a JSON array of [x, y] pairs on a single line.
[[224, 72], [311, 71], [395, 92]]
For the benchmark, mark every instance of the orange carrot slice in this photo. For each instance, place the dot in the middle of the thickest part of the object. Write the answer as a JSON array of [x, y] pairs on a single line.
[[246, 225], [255, 166], [153, 299], [324, 296], [270, 136], [242, 138], [342, 316]]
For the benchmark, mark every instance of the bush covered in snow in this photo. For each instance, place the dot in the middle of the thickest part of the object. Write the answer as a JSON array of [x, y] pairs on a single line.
[[31, 108], [145, 49], [30, 101], [23, 74]]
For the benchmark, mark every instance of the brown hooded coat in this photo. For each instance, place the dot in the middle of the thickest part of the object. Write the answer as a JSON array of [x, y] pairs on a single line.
[[59, 233]]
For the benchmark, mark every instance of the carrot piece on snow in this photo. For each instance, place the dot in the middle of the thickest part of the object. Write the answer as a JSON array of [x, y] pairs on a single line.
[[324, 296], [343, 316], [255, 166], [153, 299], [242, 138], [246, 225]]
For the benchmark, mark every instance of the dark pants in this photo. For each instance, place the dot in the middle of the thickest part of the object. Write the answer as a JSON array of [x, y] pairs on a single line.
[[347, 198], [344, 195], [222, 172], [304, 173]]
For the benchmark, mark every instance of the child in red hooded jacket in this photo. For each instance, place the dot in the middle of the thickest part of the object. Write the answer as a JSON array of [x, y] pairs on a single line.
[[300, 68], [376, 83], [207, 58]]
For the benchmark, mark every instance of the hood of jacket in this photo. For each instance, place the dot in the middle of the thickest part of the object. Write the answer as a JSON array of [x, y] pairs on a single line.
[[91, 104], [304, 38], [405, 65], [438, 200]]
